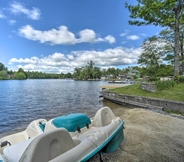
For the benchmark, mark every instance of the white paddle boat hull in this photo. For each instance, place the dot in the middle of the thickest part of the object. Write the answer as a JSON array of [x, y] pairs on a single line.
[[59, 141]]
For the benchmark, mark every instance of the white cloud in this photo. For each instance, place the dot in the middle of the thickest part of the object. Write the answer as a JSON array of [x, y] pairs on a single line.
[[18, 8], [87, 35], [62, 36], [133, 37], [142, 34], [59, 62], [53, 36], [124, 33], [1, 16], [110, 39], [12, 22]]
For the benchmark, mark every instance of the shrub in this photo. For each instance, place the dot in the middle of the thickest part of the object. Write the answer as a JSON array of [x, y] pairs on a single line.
[[174, 112], [179, 79], [161, 85], [152, 79], [176, 78]]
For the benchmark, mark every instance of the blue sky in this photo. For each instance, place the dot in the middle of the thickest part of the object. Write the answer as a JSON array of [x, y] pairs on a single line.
[[57, 36]]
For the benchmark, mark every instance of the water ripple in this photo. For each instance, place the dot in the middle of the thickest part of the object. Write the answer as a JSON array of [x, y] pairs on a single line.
[[22, 101]]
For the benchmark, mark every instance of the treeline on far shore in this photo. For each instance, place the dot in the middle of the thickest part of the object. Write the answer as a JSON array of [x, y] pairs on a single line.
[[91, 72], [21, 75], [6, 74]]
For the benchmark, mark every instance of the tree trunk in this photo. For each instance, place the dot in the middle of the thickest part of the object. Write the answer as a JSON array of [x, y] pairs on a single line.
[[177, 11], [182, 53], [176, 54]]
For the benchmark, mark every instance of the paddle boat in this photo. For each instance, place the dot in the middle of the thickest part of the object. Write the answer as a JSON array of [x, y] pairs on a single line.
[[70, 138]]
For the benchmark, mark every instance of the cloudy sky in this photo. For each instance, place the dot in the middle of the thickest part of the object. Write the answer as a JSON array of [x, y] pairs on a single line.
[[57, 36]]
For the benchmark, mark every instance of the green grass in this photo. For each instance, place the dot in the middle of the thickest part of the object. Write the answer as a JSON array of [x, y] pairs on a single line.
[[175, 93], [174, 112]]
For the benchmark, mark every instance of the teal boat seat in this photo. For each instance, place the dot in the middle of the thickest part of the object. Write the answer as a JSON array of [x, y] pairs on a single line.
[[42, 126], [72, 122]]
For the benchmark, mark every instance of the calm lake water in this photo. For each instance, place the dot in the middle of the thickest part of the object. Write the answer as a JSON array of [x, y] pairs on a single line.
[[22, 101]]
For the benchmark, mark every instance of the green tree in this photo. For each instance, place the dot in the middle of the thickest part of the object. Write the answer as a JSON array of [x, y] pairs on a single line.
[[164, 70], [19, 75], [112, 72], [168, 35], [68, 75], [97, 73], [21, 70], [2, 67], [154, 52], [3, 71], [3, 74], [77, 73], [165, 13], [90, 67]]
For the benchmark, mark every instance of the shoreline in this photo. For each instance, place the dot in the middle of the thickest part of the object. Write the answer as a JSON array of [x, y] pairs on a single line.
[[149, 136]]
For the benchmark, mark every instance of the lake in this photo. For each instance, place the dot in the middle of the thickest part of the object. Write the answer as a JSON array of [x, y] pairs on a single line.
[[22, 101]]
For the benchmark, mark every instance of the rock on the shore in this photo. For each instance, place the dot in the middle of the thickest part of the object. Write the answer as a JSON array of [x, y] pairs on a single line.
[[149, 137]]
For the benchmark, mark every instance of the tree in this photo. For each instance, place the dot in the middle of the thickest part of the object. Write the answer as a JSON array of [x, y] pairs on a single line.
[[3, 71], [111, 72], [165, 13], [97, 73], [155, 50], [3, 74], [19, 75], [90, 67], [182, 45], [2, 67], [168, 35], [68, 75], [77, 73]]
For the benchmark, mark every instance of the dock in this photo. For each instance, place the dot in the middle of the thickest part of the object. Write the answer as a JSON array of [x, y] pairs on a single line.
[[112, 86]]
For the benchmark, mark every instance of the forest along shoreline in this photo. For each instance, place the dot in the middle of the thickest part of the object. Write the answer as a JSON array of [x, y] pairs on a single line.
[[149, 136]]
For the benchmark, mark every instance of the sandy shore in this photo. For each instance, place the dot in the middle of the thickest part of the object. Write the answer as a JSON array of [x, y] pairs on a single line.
[[149, 137]]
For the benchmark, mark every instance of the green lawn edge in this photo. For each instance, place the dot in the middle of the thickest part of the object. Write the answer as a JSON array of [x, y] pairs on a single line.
[[175, 93]]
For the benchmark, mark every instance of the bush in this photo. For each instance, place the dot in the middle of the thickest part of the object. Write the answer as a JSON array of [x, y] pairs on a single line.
[[161, 85], [152, 79], [179, 79], [174, 112]]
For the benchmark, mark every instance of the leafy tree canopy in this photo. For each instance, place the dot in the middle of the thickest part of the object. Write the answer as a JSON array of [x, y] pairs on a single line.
[[165, 13], [153, 12], [2, 67]]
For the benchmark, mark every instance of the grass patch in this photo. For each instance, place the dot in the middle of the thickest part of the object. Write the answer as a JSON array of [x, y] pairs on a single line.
[[175, 93], [174, 112]]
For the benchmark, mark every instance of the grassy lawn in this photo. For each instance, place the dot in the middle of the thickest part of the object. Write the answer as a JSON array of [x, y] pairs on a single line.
[[176, 93]]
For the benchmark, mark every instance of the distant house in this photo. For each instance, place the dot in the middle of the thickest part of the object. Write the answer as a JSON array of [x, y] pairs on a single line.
[[103, 78], [122, 76], [132, 73]]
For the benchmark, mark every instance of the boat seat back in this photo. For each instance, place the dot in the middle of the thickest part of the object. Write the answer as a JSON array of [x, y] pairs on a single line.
[[49, 126], [31, 131], [103, 117], [35, 128], [48, 146]]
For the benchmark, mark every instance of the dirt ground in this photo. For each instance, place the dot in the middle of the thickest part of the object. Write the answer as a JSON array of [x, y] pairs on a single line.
[[149, 137]]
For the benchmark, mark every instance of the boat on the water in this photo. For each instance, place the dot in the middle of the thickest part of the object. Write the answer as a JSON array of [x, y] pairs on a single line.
[[70, 138]]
